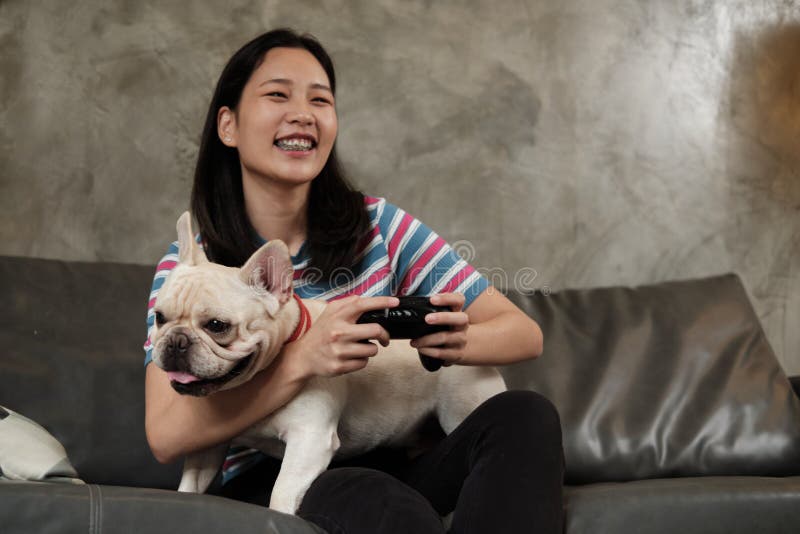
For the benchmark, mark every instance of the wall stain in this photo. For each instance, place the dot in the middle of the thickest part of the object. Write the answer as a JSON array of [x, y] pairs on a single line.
[[503, 115]]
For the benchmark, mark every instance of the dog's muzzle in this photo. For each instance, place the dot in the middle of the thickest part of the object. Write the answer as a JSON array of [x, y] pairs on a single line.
[[203, 387]]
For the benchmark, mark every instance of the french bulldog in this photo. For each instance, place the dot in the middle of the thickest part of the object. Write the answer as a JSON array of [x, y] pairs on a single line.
[[217, 326]]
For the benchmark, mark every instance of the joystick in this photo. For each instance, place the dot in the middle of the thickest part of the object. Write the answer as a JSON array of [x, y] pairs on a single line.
[[407, 321]]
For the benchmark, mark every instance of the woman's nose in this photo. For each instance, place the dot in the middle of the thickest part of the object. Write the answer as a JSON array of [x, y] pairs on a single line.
[[300, 117]]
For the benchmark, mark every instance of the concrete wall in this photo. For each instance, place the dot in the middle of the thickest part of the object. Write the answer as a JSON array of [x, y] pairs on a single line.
[[605, 142]]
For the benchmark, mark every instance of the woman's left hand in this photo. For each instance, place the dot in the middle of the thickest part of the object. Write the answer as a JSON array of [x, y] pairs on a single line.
[[448, 345]]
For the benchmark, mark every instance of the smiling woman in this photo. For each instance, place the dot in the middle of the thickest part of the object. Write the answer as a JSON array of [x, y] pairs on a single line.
[[275, 95], [288, 103], [267, 169]]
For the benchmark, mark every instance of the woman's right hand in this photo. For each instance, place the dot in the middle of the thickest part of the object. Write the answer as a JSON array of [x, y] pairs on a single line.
[[334, 344]]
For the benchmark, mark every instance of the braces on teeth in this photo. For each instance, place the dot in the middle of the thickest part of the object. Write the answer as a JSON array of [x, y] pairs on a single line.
[[300, 144]]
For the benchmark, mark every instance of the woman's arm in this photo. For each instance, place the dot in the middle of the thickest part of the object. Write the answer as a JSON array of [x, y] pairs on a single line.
[[492, 331], [499, 332], [178, 424]]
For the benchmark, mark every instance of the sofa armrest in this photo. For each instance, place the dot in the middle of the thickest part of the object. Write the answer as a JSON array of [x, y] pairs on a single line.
[[795, 380]]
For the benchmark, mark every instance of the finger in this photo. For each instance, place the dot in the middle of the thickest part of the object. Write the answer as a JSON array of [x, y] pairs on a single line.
[[365, 304], [441, 339], [455, 318], [449, 356], [358, 332], [376, 303], [431, 340], [454, 300], [359, 349]]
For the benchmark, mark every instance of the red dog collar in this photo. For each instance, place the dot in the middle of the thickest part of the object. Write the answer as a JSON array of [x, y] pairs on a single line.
[[305, 320]]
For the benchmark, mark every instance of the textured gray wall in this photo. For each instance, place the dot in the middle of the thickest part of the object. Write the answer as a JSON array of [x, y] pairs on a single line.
[[604, 142]]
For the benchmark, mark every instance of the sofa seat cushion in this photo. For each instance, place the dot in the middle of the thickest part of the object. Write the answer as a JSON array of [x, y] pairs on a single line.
[[27, 507], [692, 505], [664, 380]]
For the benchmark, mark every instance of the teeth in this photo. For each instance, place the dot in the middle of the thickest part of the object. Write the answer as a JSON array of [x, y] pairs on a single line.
[[295, 144]]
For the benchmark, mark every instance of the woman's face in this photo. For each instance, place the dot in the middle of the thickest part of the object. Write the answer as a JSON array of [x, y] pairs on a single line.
[[285, 124]]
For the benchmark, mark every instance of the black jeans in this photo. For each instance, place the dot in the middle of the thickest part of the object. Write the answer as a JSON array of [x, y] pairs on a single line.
[[501, 470]]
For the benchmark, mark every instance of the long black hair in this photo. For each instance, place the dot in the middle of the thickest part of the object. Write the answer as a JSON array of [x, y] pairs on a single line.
[[337, 217]]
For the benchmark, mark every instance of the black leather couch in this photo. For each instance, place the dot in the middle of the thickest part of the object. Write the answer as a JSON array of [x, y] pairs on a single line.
[[676, 414]]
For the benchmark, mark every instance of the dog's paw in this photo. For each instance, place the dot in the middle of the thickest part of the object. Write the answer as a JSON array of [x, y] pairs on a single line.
[[187, 486], [286, 506]]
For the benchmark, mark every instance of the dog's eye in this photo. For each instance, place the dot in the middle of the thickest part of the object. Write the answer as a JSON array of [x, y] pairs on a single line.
[[215, 326], [160, 319]]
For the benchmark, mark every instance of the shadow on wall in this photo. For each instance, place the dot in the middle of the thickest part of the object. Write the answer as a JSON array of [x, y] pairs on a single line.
[[765, 108]]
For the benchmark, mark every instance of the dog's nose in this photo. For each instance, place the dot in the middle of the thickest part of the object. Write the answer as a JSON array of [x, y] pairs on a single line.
[[178, 343]]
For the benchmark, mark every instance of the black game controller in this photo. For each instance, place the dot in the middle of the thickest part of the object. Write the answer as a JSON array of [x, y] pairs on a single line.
[[407, 321]]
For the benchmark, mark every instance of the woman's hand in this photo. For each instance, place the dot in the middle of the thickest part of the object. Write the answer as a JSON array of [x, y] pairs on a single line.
[[448, 345], [335, 344]]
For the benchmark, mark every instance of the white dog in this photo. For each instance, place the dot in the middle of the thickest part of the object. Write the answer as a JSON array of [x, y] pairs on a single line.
[[217, 326]]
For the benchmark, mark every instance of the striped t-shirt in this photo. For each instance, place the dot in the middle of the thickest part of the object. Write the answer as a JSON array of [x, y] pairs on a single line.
[[399, 256]]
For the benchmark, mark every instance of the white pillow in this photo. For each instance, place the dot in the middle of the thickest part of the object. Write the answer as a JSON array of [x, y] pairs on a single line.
[[29, 452]]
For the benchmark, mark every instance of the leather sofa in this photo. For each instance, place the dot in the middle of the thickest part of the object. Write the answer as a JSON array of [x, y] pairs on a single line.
[[675, 412]]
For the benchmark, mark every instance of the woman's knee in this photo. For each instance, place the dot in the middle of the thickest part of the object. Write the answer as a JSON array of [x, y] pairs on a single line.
[[523, 410], [353, 500]]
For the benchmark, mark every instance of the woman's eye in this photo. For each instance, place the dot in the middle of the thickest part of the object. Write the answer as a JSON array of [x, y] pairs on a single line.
[[277, 94], [215, 326], [322, 100]]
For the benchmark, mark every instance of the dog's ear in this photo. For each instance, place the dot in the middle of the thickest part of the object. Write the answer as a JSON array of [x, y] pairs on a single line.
[[270, 270], [190, 252]]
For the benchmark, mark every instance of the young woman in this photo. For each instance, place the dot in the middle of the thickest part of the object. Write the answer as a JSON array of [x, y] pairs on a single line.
[[267, 169]]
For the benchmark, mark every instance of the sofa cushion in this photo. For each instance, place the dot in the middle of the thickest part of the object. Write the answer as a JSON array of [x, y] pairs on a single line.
[[27, 507], [72, 361], [670, 379], [706, 505]]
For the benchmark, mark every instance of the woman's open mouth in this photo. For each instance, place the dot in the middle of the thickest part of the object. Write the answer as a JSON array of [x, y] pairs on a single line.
[[206, 386], [296, 144]]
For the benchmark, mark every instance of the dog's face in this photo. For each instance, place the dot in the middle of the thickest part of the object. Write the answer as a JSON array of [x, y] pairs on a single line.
[[216, 326]]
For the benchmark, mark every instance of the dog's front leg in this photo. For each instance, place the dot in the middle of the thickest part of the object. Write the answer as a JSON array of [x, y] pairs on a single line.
[[308, 453], [200, 468]]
